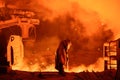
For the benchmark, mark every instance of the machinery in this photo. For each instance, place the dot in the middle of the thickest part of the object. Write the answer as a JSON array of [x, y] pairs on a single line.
[[15, 50], [111, 54], [15, 47]]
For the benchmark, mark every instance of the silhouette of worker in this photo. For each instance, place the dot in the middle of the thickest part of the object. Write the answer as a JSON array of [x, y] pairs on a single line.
[[61, 57]]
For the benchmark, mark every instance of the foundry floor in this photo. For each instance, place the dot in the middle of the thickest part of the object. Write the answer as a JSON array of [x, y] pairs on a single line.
[[22, 75]]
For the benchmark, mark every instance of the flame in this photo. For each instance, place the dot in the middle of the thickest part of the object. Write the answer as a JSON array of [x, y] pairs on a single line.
[[85, 22], [98, 66]]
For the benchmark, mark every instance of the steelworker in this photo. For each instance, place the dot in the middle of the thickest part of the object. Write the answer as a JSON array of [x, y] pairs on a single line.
[[61, 57]]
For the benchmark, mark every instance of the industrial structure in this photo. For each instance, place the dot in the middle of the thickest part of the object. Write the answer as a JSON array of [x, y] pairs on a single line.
[[26, 21], [111, 54]]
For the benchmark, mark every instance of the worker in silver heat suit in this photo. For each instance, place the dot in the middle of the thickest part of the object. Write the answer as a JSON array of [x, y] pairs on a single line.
[[61, 57]]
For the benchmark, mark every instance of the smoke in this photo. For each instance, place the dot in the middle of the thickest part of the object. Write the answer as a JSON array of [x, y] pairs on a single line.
[[87, 23], [94, 13]]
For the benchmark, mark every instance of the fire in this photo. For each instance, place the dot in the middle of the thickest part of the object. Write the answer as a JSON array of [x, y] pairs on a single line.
[[81, 18], [98, 66], [24, 67], [43, 60]]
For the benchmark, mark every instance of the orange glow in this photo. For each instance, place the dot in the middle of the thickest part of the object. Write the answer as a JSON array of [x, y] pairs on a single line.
[[107, 12], [98, 66], [81, 20]]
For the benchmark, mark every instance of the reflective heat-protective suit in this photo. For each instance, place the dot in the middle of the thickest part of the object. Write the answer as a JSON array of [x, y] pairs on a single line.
[[61, 56]]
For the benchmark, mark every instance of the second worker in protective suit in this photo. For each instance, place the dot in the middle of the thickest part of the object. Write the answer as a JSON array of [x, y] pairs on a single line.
[[61, 57]]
